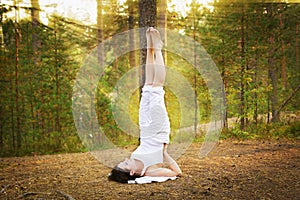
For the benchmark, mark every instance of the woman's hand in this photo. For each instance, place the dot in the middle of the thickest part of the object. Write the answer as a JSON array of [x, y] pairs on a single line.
[[171, 162], [165, 147]]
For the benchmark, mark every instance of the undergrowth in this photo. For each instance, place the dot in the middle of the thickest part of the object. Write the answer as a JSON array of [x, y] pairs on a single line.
[[264, 131]]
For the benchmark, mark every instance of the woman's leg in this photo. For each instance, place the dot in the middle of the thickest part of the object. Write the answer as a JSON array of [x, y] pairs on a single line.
[[159, 67], [149, 59], [144, 116]]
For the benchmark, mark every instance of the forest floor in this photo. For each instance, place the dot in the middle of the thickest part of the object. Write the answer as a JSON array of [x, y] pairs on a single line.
[[249, 169]]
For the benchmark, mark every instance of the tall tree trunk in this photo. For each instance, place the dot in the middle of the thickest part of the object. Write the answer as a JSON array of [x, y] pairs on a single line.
[[224, 88], [57, 87], [17, 40], [101, 60], [35, 21], [12, 112], [283, 60], [36, 44], [100, 32], [56, 125], [2, 66], [272, 69], [273, 79], [195, 78], [131, 33], [1, 136], [162, 5], [297, 48], [243, 68], [1, 28], [147, 12], [255, 80]]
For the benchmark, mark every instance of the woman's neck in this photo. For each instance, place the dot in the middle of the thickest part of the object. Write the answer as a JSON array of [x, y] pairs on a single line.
[[139, 166]]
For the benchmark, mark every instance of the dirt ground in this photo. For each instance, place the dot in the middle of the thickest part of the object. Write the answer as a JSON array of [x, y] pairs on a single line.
[[233, 170]]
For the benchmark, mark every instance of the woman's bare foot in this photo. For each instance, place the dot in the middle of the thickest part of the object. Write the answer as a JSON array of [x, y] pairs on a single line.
[[149, 38], [156, 40]]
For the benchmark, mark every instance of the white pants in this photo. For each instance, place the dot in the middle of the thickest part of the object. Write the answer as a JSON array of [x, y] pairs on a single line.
[[153, 117]]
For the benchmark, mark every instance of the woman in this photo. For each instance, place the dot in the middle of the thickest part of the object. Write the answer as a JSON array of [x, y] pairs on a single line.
[[148, 158]]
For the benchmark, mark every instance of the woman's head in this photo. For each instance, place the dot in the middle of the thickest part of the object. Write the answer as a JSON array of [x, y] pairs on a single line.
[[121, 175], [128, 165]]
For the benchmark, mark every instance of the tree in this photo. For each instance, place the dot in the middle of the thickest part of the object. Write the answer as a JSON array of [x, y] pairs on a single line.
[[147, 13], [36, 55], [35, 20], [17, 97], [162, 23], [271, 65], [243, 39], [100, 32], [131, 25]]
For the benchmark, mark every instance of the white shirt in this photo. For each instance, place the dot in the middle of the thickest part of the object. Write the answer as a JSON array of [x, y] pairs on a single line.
[[153, 116], [149, 153], [154, 127]]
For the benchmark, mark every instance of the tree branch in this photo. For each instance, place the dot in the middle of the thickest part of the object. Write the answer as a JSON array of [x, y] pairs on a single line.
[[31, 193], [66, 196], [287, 100]]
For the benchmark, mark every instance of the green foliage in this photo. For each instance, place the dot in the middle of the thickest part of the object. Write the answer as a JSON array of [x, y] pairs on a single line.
[[264, 131], [40, 90], [38, 67], [286, 131], [294, 130]]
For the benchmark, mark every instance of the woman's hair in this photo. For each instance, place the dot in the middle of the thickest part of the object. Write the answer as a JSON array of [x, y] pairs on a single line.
[[120, 175]]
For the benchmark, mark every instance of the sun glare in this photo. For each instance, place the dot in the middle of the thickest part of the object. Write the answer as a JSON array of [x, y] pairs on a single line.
[[85, 12], [182, 5]]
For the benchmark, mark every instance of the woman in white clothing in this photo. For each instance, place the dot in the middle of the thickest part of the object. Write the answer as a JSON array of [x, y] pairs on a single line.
[[148, 158]]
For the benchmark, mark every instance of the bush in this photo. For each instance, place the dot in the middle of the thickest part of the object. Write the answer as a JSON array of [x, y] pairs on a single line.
[[263, 131]]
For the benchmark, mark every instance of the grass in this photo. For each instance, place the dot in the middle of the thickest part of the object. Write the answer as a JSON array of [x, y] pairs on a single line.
[[264, 131]]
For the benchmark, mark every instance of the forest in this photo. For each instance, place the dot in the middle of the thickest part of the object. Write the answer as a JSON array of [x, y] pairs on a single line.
[[253, 44], [71, 74]]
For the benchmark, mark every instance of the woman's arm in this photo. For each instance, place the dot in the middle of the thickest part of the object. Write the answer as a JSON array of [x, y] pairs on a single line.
[[173, 170], [171, 162]]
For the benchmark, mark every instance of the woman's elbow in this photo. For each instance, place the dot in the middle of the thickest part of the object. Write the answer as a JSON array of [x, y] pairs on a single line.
[[179, 173]]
